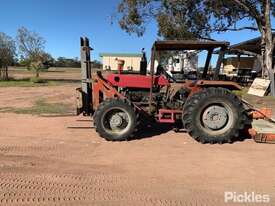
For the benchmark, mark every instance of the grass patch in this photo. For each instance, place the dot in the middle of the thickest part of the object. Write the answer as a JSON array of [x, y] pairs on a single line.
[[270, 97], [241, 93], [40, 107], [33, 82], [37, 80], [244, 93]]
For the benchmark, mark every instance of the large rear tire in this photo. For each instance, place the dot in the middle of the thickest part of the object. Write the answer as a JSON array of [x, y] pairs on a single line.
[[115, 120], [214, 115]]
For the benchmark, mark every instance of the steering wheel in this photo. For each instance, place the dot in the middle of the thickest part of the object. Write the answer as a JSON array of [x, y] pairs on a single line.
[[161, 70]]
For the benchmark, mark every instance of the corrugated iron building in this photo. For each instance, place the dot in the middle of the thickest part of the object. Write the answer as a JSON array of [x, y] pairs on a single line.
[[132, 61]]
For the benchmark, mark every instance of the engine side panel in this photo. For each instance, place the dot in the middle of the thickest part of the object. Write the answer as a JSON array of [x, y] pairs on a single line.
[[135, 81]]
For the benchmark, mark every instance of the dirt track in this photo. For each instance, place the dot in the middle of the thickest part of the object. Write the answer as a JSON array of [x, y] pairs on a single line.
[[62, 161]]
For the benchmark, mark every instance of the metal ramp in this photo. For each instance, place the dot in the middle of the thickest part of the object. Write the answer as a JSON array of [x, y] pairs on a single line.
[[263, 126], [264, 131]]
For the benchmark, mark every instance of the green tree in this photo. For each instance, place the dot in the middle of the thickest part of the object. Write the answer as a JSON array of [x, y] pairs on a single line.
[[96, 64], [67, 62], [48, 60], [31, 47], [7, 54], [180, 19]]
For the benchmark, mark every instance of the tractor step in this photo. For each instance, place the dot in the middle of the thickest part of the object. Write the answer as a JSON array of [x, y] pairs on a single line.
[[168, 115]]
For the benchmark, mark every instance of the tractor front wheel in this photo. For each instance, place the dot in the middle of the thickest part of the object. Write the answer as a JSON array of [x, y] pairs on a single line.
[[214, 115], [115, 120]]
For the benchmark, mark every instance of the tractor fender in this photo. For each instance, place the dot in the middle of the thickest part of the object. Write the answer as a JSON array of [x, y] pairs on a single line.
[[224, 84]]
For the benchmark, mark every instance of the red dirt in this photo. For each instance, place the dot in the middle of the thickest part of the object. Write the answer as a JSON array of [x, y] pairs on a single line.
[[62, 161]]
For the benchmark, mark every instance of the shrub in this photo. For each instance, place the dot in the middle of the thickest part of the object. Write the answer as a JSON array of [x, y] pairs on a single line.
[[37, 80]]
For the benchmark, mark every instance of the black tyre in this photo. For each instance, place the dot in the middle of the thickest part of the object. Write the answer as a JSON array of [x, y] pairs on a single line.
[[214, 115], [115, 120]]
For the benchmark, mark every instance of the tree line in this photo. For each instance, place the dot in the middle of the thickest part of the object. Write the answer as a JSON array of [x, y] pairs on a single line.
[[28, 50]]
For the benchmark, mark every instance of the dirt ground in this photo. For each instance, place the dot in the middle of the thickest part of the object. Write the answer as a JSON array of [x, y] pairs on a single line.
[[62, 161]]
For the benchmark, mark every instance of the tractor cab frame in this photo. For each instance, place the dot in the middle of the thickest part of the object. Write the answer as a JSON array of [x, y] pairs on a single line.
[[199, 45]]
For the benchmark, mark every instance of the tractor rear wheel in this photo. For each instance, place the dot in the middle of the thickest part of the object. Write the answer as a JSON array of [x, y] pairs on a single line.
[[115, 120], [214, 115]]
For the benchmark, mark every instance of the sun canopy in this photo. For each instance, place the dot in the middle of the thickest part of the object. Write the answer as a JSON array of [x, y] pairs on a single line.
[[188, 45], [252, 47]]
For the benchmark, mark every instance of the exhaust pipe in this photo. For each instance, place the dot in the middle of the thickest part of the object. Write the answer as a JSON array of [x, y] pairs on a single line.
[[143, 63]]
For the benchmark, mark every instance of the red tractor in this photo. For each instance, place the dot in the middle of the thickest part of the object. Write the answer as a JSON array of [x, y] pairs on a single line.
[[207, 108]]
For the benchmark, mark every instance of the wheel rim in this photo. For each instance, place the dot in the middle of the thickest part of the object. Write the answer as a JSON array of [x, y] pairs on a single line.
[[116, 121], [217, 118]]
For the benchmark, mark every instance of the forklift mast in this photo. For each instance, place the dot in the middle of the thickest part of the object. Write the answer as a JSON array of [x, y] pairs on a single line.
[[86, 74]]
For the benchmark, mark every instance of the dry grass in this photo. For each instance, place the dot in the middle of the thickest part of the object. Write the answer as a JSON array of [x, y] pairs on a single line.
[[51, 73], [26, 82], [21, 77], [40, 107], [53, 79]]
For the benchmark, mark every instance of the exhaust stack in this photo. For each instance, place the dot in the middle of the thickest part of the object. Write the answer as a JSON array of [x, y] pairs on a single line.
[[143, 63]]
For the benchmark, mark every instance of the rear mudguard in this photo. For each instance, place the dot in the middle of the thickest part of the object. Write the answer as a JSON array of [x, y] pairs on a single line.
[[224, 84]]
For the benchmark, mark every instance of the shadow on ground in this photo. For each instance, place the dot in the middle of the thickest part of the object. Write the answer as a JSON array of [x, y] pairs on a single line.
[[149, 130], [63, 80]]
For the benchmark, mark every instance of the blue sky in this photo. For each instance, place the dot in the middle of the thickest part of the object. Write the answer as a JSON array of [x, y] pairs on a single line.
[[62, 22]]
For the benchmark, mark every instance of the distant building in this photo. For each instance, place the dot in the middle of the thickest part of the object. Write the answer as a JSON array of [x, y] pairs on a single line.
[[234, 66], [246, 58], [132, 61]]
